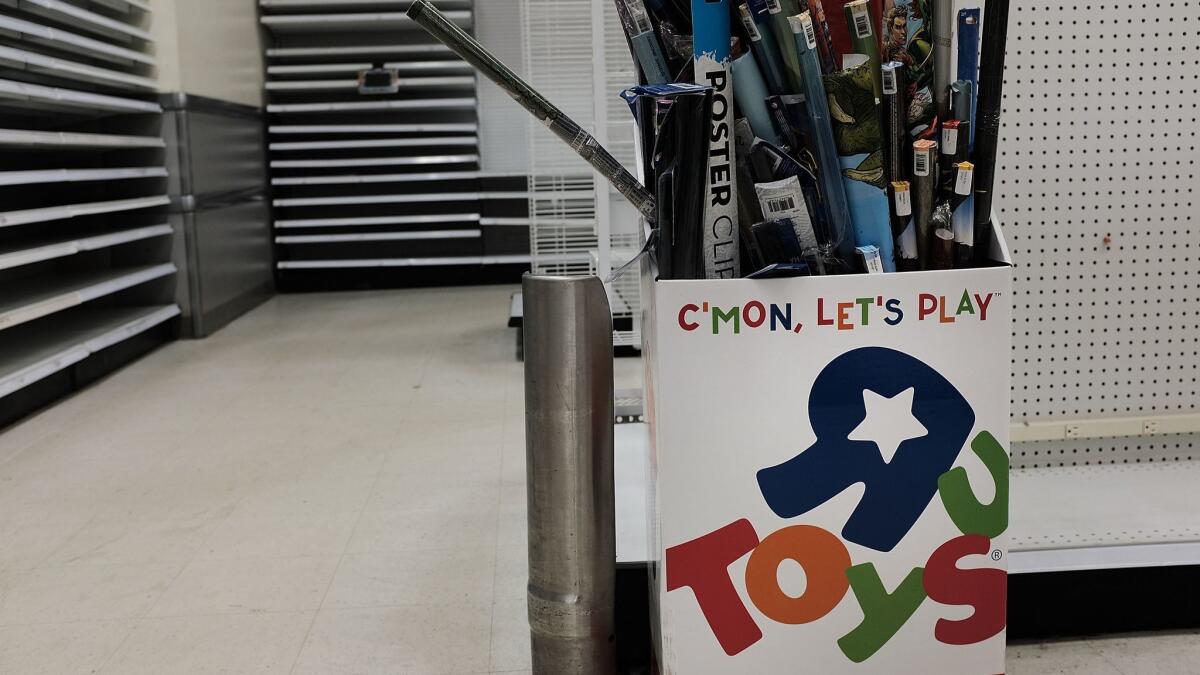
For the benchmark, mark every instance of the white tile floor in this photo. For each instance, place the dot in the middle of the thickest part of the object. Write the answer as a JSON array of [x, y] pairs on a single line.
[[333, 484]]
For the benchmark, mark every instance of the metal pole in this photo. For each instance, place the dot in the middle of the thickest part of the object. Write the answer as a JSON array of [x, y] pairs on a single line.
[[569, 455]]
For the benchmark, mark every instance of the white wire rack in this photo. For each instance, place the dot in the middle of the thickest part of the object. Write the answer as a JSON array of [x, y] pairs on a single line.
[[575, 51]]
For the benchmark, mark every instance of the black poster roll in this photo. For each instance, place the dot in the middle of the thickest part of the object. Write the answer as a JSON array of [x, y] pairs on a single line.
[[897, 144], [987, 130]]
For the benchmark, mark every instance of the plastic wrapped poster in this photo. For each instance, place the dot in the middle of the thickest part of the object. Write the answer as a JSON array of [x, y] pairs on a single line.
[[907, 38], [673, 119], [824, 141], [855, 119], [643, 41]]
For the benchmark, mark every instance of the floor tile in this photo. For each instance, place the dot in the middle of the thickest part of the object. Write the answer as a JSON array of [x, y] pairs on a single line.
[[84, 593], [426, 492], [247, 585], [78, 648], [458, 576], [512, 573], [384, 531], [25, 546], [283, 495], [510, 636], [134, 543], [1063, 658], [203, 645], [296, 536], [417, 639]]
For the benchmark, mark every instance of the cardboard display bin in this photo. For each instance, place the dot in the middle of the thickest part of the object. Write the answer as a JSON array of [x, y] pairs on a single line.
[[829, 472]]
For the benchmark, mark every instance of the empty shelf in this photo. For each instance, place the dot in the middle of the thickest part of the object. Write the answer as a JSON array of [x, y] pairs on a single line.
[[504, 222], [34, 352], [368, 106], [378, 178], [366, 221], [35, 298], [404, 262], [48, 213], [373, 128], [381, 199], [352, 85], [354, 67], [1060, 522], [365, 21], [377, 236], [124, 5], [84, 19], [422, 142], [68, 247], [75, 43], [67, 139], [68, 98], [78, 175], [364, 50], [373, 161], [75, 71]]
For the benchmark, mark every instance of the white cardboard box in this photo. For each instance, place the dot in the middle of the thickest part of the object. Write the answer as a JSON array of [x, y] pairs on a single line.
[[809, 431]]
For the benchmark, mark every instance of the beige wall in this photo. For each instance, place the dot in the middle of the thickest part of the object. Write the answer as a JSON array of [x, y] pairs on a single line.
[[209, 48]]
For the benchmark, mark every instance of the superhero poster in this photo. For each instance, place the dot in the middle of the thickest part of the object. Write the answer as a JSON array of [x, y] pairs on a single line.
[[829, 472], [907, 37]]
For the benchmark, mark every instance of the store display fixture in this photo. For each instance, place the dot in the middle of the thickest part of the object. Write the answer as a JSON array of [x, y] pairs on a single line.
[[85, 243], [376, 177], [694, 475]]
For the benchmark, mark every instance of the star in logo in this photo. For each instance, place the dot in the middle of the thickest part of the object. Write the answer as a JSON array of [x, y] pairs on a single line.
[[889, 422]]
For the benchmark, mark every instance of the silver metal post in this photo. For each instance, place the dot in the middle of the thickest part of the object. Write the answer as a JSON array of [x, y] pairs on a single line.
[[569, 455]]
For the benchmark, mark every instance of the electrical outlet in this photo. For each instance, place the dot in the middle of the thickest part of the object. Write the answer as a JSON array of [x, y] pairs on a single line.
[[1073, 431], [1150, 427]]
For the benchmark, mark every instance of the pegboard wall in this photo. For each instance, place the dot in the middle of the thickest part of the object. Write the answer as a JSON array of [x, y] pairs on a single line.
[[1096, 190]]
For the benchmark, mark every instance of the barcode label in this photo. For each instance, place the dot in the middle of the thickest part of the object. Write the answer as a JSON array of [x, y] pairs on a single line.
[[921, 163], [966, 175], [781, 205], [641, 20], [871, 259], [949, 140], [862, 20], [903, 201], [810, 33], [774, 7], [748, 22], [889, 80], [782, 200], [580, 140]]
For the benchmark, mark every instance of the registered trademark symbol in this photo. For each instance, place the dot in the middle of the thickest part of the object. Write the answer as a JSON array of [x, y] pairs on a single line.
[[996, 555]]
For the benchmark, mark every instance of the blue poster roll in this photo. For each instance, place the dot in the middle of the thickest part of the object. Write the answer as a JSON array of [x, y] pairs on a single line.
[[751, 94], [839, 237]]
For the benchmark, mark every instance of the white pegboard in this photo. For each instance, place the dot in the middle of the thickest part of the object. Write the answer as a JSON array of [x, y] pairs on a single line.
[[1099, 141]]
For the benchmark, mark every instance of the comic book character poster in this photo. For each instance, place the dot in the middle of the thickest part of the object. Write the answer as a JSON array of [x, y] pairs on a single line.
[[907, 38], [854, 116]]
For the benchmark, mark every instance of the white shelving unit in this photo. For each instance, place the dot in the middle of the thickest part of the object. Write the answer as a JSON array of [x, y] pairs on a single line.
[[84, 248], [364, 176], [1106, 287]]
